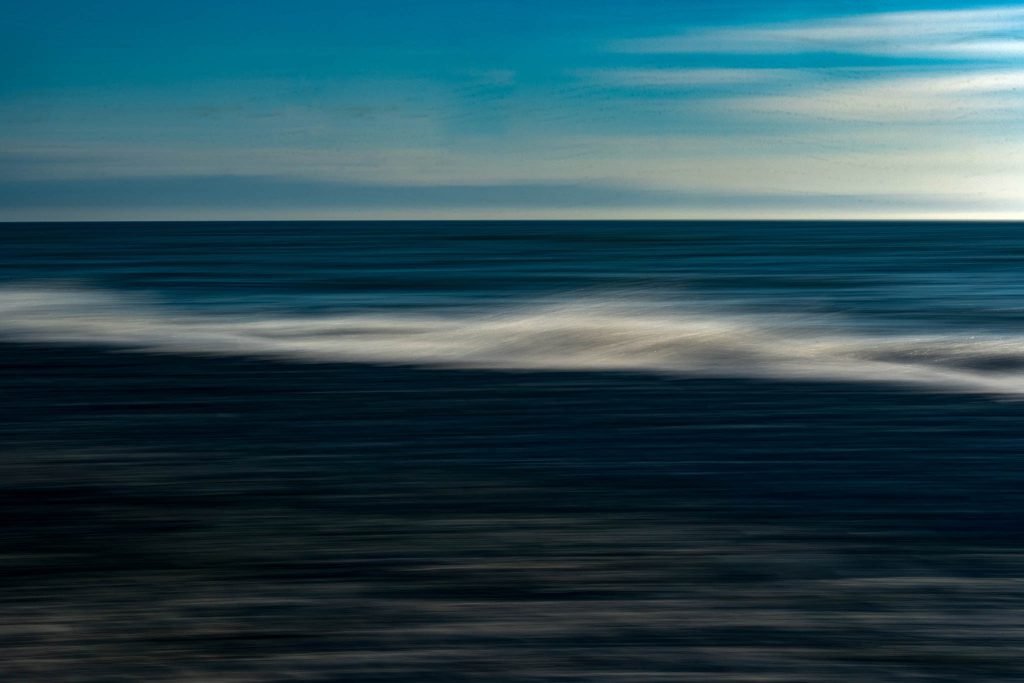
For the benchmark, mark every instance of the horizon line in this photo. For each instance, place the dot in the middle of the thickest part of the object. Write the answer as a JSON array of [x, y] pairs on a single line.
[[92, 221]]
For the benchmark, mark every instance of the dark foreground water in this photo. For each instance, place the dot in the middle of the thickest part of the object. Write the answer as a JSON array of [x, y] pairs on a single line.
[[512, 452]]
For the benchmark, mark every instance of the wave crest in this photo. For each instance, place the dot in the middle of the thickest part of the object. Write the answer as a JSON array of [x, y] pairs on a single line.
[[590, 334]]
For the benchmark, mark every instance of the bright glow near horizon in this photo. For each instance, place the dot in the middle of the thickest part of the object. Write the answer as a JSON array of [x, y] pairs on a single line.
[[474, 109]]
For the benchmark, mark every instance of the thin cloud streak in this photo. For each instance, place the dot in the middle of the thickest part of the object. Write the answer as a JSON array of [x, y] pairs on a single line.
[[982, 96], [975, 33], [202, 193], [687, 78]]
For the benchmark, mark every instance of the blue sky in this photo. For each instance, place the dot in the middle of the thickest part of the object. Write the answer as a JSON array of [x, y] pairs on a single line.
[[501, 109]]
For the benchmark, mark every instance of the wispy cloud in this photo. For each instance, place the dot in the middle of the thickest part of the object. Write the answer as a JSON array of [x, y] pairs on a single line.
[[686, 78], [200, 197], [984, 88], [996, 32], [977, 96]]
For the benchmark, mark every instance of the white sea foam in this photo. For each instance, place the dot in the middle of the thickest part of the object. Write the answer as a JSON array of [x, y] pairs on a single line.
[[589, 334]]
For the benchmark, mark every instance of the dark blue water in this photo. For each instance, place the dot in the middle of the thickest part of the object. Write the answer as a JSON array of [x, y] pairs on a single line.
[[934, 272], [512, 451]]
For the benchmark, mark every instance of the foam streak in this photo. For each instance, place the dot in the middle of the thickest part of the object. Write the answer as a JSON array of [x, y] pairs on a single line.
[[580, 335]]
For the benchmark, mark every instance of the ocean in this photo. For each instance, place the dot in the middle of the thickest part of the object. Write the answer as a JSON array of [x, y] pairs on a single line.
[[512, 451]]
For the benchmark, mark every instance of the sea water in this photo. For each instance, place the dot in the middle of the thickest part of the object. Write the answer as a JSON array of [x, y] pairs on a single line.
[[513, 451]]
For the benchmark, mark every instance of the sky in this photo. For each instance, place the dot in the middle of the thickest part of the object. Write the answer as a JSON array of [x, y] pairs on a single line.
[[510, 109]]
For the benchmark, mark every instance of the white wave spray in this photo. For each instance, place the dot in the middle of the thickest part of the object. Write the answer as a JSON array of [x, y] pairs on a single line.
[[587, 334]]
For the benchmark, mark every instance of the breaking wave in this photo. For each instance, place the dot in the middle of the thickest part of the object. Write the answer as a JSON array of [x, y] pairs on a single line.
[[589, 334]]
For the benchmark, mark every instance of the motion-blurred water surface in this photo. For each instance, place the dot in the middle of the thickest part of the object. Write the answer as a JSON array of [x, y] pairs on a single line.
[[464, 451]]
